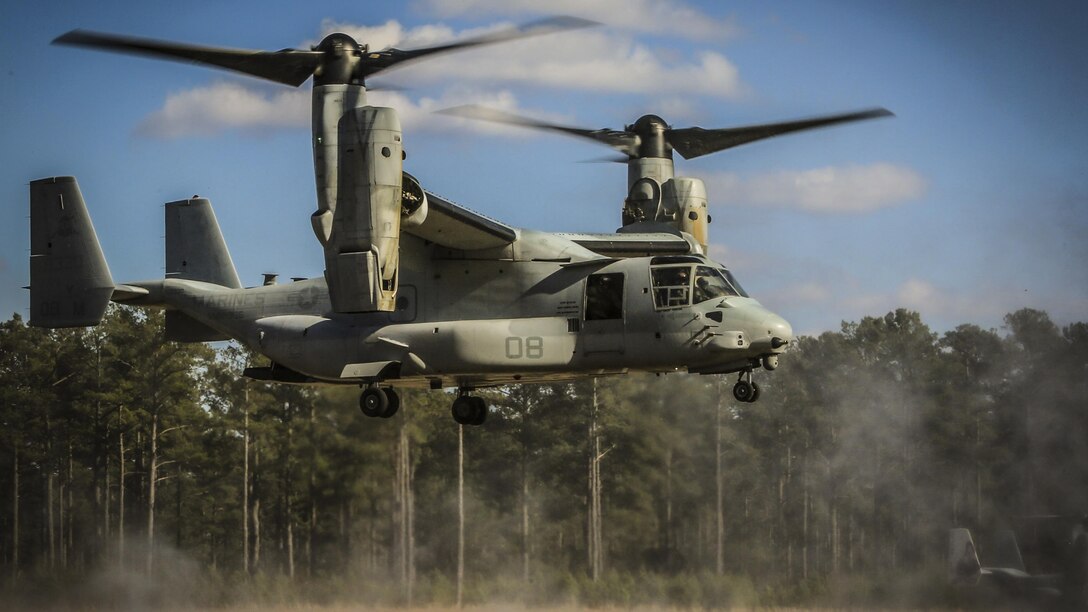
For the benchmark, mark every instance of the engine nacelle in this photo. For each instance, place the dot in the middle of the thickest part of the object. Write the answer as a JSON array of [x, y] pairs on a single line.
[[358, 160], [687, 197], [679, 202]]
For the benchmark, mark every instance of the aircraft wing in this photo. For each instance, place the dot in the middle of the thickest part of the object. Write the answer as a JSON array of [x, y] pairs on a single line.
[[457, 227], [632, 245]]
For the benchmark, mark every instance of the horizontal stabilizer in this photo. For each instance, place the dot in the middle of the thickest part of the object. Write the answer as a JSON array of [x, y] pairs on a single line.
[[180, 327], [278, 373], [70, 283]]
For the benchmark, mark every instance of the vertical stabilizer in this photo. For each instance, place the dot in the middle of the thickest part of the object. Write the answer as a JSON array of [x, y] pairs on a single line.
[[70, 283], [195, 249], [963, 563], [1006, 551]]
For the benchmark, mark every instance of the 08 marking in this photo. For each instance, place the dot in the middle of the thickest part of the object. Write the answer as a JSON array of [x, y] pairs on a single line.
[[524, 348]]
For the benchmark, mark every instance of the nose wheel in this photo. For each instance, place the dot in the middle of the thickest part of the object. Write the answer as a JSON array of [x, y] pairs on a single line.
[[745, 390], [378, 402], [469, 410]]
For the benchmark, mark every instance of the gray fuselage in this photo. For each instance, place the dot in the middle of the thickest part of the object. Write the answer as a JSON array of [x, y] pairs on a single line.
[[518, 313]]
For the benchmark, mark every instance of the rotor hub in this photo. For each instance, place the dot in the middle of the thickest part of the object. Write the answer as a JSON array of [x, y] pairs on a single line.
[[650, 130], [342, 57]]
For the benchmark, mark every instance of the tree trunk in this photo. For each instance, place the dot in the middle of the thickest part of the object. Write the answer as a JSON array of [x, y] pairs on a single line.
[[71, 541], [256, 505], [460, 514], [525, 552], [290, 548], [106, 518], [312, 494], [179, 522], [594, 540], [719, 554], [50, 518], [668, 506], [120, 494], [404, 538], [834, 538], [804, 520], [15, 515], [286, 535], [245, 480], [153, 473]]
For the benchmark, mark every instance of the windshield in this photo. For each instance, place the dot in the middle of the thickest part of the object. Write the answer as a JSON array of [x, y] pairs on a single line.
[[683, 284], [710, 284], [733, 281]]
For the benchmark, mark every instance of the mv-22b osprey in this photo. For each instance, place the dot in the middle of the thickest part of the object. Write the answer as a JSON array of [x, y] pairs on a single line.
[[418, 291]]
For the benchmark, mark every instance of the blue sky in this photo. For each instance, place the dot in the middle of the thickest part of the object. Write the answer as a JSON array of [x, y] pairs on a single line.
[[971, 203]]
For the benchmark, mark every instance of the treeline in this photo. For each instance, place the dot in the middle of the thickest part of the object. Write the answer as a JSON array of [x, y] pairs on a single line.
[[135, 468]]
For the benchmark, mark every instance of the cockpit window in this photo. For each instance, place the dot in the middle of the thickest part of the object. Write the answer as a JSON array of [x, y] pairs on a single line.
[[672, 286], [681, 285], [710, 284], [733, 281]]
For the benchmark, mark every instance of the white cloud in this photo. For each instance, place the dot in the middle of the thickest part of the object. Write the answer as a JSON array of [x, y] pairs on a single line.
[[649, 16], [586, 60], [225, 106], [209, 110], [844, 189]]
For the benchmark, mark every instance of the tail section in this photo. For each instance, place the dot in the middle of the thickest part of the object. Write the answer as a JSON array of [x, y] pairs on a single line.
[[963, 563], [1006, 551], [70, 283], [195, 249]]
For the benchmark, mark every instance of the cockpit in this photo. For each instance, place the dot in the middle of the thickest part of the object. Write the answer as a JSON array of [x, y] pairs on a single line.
[[679, 282]]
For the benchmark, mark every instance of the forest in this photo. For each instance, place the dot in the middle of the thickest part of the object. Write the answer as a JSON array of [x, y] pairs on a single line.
[[137, 472]]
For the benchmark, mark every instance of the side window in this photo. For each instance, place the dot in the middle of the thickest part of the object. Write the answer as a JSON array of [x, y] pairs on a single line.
[[604, 296], [672, 286]]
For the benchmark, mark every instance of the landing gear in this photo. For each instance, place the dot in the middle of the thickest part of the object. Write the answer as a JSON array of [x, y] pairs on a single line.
[[378, 402], [469, 410], [745, 390]]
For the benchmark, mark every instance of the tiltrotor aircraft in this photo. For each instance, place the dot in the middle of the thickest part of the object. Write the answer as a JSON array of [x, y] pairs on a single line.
[[418, 291]]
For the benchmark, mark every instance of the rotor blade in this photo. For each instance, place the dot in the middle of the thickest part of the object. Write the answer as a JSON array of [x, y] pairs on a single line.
[[288, 66], [378, 61], [624, 142], [608, 159], [695, 141]]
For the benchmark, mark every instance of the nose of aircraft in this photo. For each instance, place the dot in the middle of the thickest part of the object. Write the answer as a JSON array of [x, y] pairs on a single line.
[[779, 329]]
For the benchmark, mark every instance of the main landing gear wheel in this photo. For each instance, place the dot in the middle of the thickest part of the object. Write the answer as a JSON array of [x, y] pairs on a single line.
[[378, 402], [394, 403], [469, 410], [745, 390]]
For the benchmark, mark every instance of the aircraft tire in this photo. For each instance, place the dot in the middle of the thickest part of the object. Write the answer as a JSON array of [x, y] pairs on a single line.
[[479, 411], [394, 402], [463, 410], [743, 391], [373, 402]]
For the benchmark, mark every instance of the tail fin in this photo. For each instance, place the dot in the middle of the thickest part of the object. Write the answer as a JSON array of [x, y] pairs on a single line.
[[195, 249], [1006, 552], [963, 563], [70, 283]]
